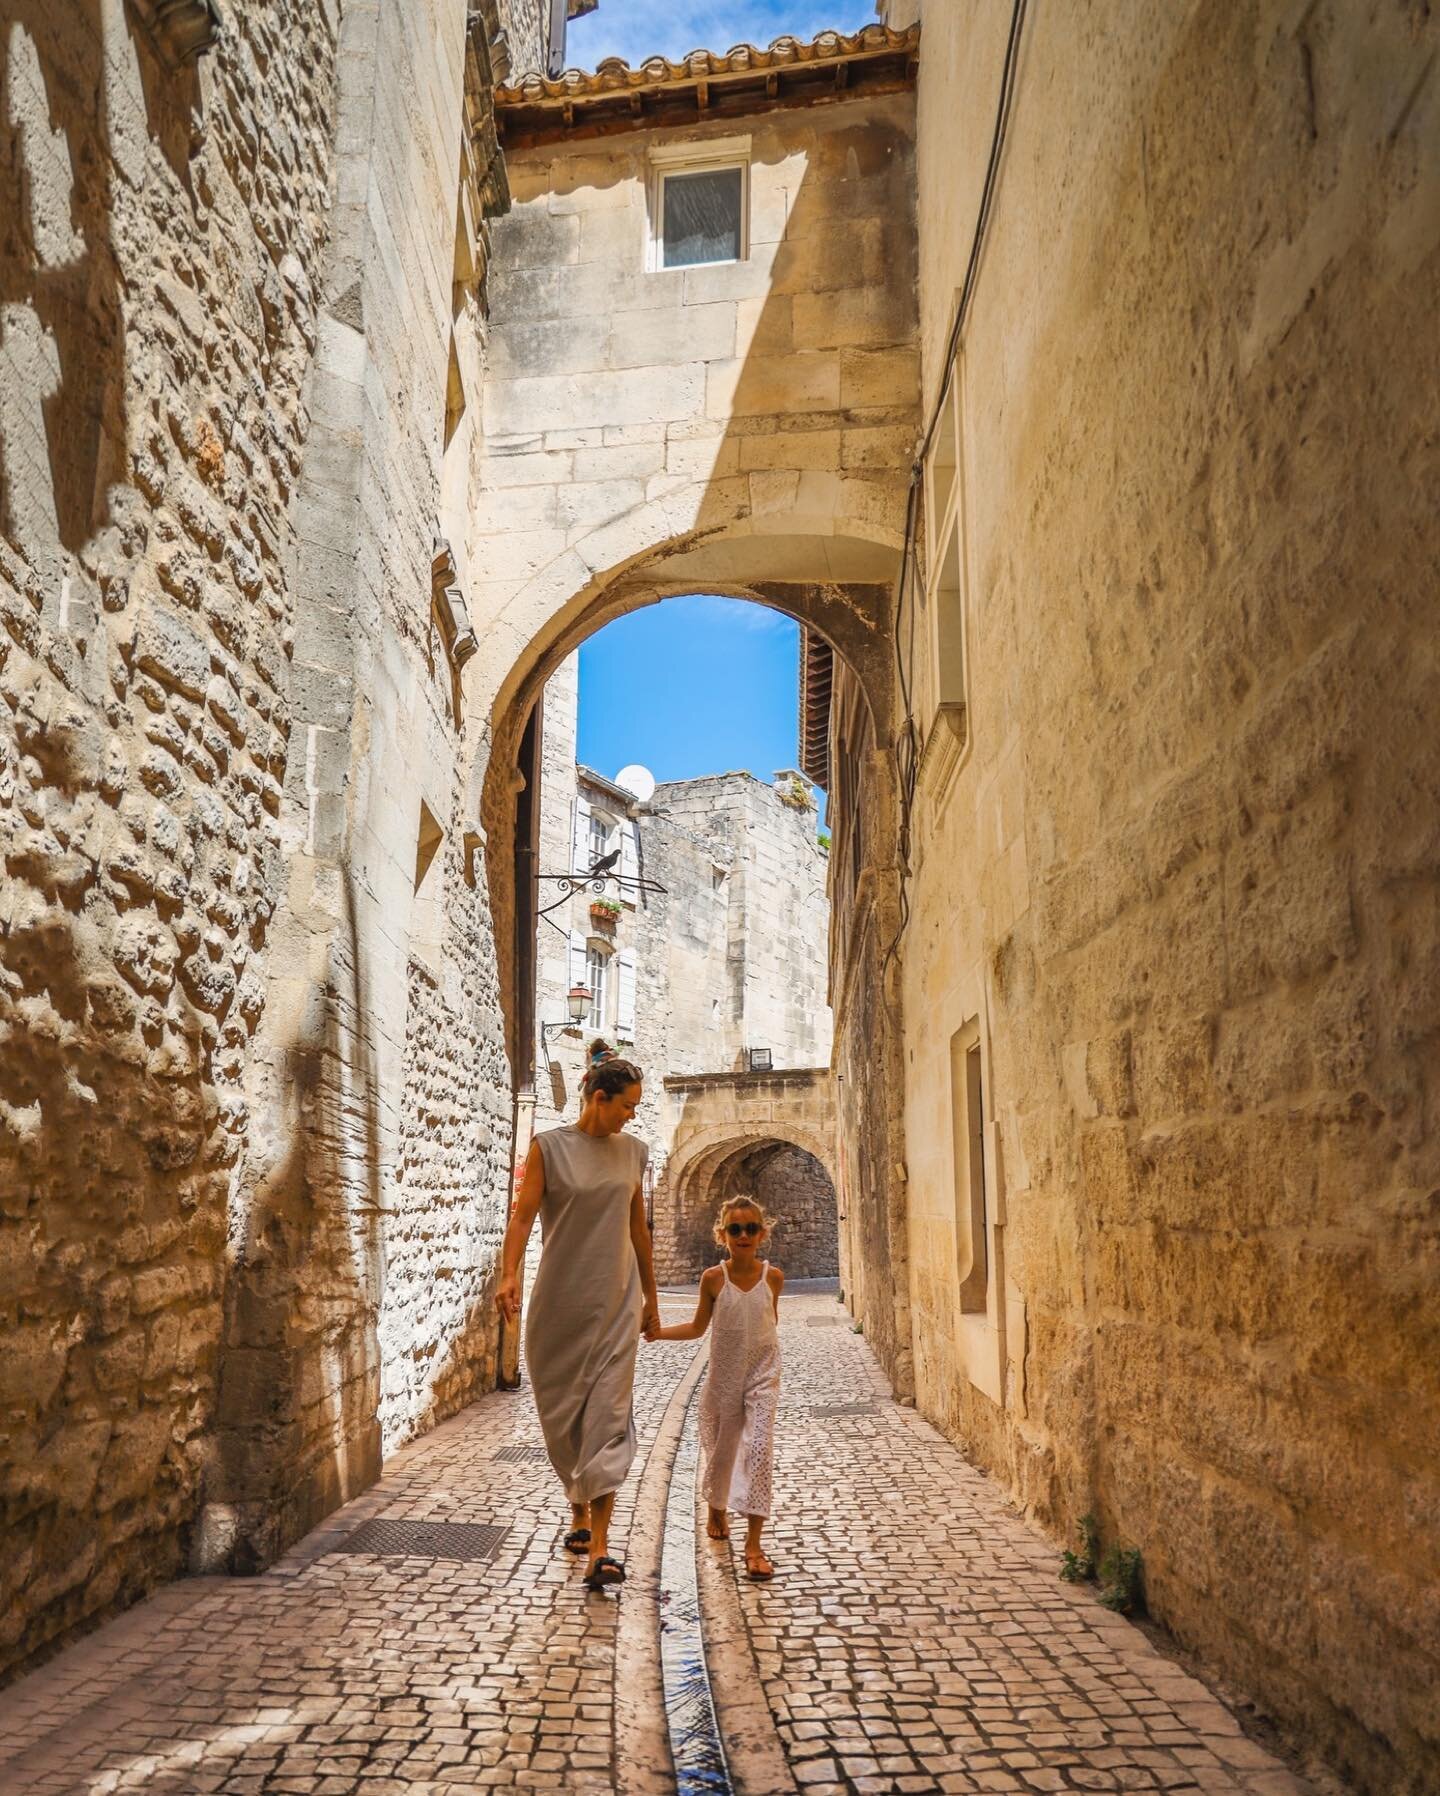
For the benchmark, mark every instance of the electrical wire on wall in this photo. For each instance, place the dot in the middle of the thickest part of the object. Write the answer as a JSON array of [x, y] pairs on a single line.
[[907, 743]]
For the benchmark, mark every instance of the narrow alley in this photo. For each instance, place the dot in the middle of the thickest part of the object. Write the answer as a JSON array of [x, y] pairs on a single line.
[[916, 1638]]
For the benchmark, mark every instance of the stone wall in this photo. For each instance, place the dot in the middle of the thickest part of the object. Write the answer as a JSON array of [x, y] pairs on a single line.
[[238, 1182], [161, 241], [1180, 884]]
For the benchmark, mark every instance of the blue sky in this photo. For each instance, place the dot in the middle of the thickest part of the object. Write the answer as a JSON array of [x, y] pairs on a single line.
[[635, 29], [691, 686]]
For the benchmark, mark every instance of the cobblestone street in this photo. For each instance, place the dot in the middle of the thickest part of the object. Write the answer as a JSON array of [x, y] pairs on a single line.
[[916, 1638]]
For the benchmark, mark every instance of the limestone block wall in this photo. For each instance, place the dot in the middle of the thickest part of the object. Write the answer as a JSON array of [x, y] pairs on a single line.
[[162, 237], [627, 408], [1183, 888], [738, 942]]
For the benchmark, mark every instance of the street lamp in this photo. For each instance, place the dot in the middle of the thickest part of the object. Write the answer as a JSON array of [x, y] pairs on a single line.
[[577, 1002]]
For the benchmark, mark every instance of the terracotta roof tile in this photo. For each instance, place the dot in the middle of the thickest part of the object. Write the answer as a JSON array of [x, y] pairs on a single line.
[[616, 76]]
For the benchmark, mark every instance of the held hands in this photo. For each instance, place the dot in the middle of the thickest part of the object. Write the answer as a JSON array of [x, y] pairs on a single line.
[[507, 1298], [650, 1323]]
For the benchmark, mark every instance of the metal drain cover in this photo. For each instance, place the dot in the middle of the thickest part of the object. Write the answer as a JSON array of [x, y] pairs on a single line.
[[470, 1542], [522, 1455], [843, 1409], [825, 1321]]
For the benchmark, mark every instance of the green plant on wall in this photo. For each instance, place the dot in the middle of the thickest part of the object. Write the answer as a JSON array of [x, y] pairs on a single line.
[[1122, 1581], [1120, 1571], [1080, 1568]]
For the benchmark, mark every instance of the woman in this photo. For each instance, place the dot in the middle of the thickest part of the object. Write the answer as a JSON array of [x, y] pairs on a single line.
[[594, 1295]]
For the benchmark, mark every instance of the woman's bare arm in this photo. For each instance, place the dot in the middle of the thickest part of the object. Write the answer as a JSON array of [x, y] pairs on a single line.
[[692, 1330], [517, 1233], [640, 1241]]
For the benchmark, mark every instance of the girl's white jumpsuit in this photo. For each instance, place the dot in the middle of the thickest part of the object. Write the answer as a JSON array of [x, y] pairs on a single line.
[[742, 1392]]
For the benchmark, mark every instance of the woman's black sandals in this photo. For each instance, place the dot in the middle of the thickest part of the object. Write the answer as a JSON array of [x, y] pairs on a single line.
[[605, 1571], [578, 1540]]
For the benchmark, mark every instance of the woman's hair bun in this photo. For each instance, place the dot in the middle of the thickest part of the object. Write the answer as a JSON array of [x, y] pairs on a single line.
[[609, 1074]]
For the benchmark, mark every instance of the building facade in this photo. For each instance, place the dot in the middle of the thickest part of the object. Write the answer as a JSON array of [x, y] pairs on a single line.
[[704, 951], [1069, 377]]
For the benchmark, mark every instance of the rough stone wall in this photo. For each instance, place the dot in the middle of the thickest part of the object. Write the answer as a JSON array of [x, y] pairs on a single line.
[[385, 933], [722, 1129], [1186, 879], [161, 237]]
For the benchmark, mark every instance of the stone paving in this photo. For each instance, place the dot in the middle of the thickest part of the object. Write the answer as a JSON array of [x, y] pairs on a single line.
[[917, 1638]]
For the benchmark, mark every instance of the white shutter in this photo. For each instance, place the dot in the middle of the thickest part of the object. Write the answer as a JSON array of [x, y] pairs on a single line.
[[629, 855], [580, 837], [579, 946], [625, 1007]]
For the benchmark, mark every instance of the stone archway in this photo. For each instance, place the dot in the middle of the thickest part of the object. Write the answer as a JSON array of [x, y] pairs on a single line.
[[772, 1134], [792, 1186]]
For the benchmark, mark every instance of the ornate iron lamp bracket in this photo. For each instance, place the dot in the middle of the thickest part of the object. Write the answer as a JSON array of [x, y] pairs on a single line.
[[569, 884]]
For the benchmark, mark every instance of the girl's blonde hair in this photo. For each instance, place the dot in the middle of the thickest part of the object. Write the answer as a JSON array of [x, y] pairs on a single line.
[[740, 1202]]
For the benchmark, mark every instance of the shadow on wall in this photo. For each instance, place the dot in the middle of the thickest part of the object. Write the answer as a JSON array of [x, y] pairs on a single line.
[[297, 1430], [61, 325], [106, 1137]]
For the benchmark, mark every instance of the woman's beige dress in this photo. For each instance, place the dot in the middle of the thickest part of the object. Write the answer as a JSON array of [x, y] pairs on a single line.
[[583, 1328]]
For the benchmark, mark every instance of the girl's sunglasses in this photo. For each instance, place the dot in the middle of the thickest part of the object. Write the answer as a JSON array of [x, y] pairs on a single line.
[[743, 1228]]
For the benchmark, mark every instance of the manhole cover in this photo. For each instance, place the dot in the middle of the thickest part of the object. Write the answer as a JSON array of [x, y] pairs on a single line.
[[843, 1409], [824, 1321], [522, 1456], [469, 1542]]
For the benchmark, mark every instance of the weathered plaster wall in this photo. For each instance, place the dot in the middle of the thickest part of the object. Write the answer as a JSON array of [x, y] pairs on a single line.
[[158, 318], [1186, 879]]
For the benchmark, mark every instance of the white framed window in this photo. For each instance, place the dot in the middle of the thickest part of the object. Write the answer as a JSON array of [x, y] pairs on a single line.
[[699, 204], [597, 969], [599, 837], [625, 994]]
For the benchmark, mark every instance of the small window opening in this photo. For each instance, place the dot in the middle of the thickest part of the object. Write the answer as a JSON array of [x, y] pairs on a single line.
[[454, 395], [971, 1209], [427, 913], [702, 217]]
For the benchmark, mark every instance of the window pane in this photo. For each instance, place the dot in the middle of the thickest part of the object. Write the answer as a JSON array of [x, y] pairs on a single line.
[[702, 217], [597, 968]]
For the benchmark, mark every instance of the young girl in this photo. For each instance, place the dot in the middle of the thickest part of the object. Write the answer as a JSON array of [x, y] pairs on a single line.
[[742, 1384]]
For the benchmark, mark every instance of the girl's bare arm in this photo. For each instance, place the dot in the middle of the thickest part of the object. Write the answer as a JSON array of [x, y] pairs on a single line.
[[692, 1330], [777, 1284]]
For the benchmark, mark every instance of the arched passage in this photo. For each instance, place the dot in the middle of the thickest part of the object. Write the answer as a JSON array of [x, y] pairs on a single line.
[[793, 1186], [831, 576]]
